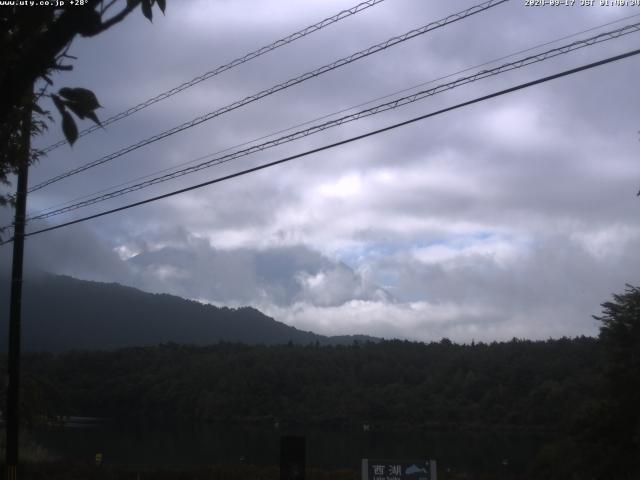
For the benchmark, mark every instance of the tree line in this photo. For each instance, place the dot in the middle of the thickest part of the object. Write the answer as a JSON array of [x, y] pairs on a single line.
[[398, 383], [584, 390]]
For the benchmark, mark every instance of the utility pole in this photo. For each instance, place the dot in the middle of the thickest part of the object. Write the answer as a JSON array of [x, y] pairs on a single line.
[[13, 386]]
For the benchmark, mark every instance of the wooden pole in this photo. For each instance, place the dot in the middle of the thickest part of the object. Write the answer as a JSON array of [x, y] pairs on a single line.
[[15, 309]]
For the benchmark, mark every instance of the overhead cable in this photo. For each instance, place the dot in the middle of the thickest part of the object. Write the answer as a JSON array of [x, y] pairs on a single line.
[[342, 142], [276, 88], [223, 68], [329, 115], [627, 29]]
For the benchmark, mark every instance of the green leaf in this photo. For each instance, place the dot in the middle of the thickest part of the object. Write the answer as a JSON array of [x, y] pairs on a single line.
[[84, 98], [162, 4], [90, 23], [57, 101], [77, 110], [94, 117], [146, 9], [69, 128], [66, 92], [36, 108]]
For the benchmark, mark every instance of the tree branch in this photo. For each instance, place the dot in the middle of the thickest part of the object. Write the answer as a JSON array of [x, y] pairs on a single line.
[[107, 7], [131, 5], [36, 59]]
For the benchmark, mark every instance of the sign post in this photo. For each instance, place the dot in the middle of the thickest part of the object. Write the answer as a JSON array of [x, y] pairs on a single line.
[[385, 469], [292, 457]]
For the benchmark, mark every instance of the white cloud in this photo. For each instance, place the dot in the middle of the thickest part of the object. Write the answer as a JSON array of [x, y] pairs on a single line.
[[514, 217], [346, 186], [424, 321], [502, 251], [608, 242]]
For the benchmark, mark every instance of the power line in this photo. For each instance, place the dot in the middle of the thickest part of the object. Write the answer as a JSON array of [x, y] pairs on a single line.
[[627, 29], [223, 68], [281, 86], [342, 142], [389, 95]]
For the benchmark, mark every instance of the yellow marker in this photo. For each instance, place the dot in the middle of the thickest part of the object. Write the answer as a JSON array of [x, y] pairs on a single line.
[[98, 459]]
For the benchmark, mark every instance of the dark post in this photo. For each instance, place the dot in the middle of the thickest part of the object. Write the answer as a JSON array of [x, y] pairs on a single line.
[[292, 457], [13, 386]]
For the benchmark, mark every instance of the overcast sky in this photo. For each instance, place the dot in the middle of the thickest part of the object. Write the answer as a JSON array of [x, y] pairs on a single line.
[[515, 217]]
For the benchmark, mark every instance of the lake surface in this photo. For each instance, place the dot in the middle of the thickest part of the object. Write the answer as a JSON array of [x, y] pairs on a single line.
[[198, 445]]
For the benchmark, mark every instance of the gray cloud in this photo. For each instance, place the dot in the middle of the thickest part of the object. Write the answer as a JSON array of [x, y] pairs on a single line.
[[77, 251], [514, 217], [281, 276]]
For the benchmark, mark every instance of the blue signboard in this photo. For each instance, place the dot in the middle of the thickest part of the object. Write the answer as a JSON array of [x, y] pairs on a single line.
[[378, 469]]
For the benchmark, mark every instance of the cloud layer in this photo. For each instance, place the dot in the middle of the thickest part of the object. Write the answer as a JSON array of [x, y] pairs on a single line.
[[513, 217]]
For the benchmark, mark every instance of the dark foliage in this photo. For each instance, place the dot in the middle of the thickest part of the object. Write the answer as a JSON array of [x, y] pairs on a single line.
[[584, 390], [67, 471], [616, 429], [519, 384], [33, 46]]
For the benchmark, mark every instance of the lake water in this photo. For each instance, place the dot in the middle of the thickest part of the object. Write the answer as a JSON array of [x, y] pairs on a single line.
[[197, 445]]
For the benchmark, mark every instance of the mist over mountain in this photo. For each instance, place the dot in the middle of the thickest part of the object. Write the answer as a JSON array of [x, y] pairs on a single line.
[[63, 313], [192, 268]]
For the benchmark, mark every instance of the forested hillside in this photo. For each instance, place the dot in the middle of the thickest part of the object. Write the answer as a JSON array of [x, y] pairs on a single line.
[[63, 313], [541, 385]]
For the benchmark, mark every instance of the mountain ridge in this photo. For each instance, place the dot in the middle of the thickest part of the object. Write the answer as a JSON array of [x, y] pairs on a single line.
[[91, 315]]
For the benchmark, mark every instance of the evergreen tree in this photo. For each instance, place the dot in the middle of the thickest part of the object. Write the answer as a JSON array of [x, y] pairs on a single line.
[[620, 339]]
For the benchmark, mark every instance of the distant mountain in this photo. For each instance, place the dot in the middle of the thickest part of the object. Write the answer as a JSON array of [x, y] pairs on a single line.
[[62, 313]]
